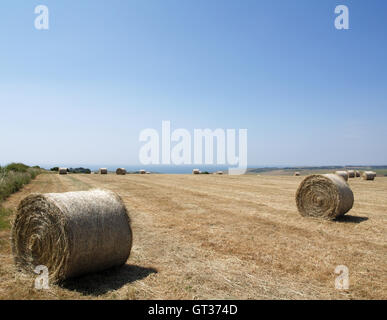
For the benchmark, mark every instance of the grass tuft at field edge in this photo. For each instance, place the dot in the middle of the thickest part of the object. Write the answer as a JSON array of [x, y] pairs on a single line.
[[12, 178]]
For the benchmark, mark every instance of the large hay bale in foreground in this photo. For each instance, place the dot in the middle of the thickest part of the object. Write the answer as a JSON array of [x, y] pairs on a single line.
[[62, 171], [121, 171], [325, 196], [71, 233], [369, 175], [351, 173], [343, 174], [103, 171]]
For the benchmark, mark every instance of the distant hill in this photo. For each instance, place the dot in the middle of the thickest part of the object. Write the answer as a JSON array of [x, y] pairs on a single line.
[[380, 170]]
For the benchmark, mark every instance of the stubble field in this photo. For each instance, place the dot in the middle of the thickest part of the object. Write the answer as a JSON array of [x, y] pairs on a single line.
[[222, 237]]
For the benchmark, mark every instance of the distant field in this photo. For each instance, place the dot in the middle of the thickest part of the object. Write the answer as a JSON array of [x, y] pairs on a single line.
[[381, 172], [283, 172], [223, 237]]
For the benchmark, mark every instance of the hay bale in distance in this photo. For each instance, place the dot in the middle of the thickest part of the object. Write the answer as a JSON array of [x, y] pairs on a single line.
[[219, 172], [357, 173], [325, 196], [142, 171], [343, 174], [103, 171], [369, 175], [62, 171], [195, 171], [71, 233], [297, 174], [351, 173], [121, 171]]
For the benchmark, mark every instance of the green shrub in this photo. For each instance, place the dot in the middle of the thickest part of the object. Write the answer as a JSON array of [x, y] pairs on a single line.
[[12, 178], [17, 167], [12, 181], [54, 169], [4, 218], [79, 170]]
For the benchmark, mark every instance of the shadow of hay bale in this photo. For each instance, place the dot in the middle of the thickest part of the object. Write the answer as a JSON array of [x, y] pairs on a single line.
[[112, 279], [351, 219]]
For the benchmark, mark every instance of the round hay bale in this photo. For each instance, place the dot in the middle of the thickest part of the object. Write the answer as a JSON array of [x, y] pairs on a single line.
[[195, 171], [351, 173], [142, 171], [369, 175], [357, 173], [219, 172], [325, 196], [62, 171], [71, 233], [121, 171], [343, 174], [297, 174], [103, 171]]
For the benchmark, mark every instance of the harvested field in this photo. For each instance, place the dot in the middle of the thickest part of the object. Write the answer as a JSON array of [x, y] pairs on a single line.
[[223, 237]]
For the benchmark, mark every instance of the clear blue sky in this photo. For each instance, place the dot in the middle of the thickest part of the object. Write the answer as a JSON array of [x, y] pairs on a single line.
[[81, 92]]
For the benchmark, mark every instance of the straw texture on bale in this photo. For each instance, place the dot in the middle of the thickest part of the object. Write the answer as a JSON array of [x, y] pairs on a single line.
[[71, 233], [121, 171], [369, 175], [351, 174], [343, 174], [103, 171], [325, 196], [62, 171]]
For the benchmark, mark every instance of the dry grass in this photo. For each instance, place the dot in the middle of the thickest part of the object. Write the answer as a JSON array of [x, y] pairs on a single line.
[[220, 237]]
